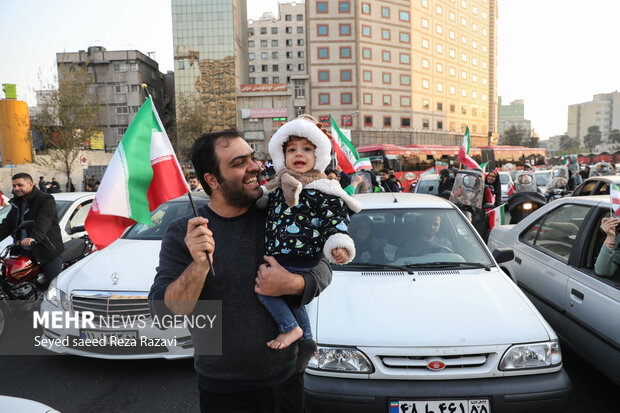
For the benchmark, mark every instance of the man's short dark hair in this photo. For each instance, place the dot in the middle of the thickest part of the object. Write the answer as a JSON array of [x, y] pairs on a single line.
[[384, 171], [330, 171], [22, 175], [204, 158]]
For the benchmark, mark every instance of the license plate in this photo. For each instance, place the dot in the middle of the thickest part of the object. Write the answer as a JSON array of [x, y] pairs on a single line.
[[108, 337], [441, 406]]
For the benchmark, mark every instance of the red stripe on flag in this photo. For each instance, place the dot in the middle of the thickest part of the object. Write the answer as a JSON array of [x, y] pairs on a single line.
[[105, 229], [343, 161], [167, 183]]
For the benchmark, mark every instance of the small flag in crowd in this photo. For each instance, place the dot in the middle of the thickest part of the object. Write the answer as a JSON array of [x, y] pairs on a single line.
[[429, 171], [463, 155], [346, 154], [362, 163], [614, 193], [563, 160], [511, 188], [497, 217], [143, 173]]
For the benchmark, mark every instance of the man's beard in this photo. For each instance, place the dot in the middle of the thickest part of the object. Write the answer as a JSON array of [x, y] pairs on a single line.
[[236, 195]]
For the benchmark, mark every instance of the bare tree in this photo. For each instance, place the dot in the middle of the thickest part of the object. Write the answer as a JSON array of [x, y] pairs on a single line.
[[69, 116], [192, 121]]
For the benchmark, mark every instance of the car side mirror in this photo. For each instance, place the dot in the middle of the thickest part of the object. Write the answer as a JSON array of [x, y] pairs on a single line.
[[503, 255], [76, 229]]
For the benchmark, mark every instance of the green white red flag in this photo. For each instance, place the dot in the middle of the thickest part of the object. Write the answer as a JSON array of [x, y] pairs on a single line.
[[497, 217], [614, 193], [346, 154], [143, 173], [362, 163], [429, 171], [463, 155]]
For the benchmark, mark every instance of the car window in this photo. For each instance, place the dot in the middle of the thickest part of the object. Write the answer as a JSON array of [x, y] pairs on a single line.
[[603, 189], [79, 215], [428, 186], [503, 178], [556, 232], [594, 243], [62, 207], [162, 217], [542, 179], [415, 236], [588, 187]]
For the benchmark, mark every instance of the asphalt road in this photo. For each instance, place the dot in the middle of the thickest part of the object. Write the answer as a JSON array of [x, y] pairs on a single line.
[[74, 384]]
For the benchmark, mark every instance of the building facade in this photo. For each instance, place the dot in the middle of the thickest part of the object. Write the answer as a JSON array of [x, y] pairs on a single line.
[[117, 77], [403, 71], [602, 111], [513, 115]]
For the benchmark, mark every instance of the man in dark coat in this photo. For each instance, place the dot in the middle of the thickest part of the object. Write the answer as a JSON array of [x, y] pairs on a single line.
[[42, 239], [387, 183]]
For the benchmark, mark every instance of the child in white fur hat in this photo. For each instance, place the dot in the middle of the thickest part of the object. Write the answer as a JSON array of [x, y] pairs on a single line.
[[308, 216]]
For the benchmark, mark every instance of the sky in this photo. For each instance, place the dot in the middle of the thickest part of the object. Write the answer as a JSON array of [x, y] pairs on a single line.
[[551, 53]]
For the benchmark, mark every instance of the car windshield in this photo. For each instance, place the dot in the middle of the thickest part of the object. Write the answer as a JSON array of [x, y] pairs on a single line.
[[162, 217], [503, 179], [415, 238], [542, 179], [428, 186]]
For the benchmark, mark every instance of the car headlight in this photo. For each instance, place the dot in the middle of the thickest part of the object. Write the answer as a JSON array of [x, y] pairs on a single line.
[[530, 356], [342, 359], [55, 296]]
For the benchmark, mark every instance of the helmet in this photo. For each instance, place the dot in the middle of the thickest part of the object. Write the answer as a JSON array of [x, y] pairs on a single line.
[[21, 269]]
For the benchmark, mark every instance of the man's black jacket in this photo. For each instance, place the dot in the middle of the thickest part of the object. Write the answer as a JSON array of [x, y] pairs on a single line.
[[41, 208]]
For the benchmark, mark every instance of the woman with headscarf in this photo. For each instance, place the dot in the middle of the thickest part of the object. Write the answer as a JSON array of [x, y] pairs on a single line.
[[492, 189]]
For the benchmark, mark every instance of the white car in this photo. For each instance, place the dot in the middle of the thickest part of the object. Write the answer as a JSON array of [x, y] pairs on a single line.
[[506, 181], [411, 327], [72, 209], [114, 284]]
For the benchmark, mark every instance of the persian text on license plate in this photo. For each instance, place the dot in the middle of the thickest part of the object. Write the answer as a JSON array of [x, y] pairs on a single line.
[[441, 406]]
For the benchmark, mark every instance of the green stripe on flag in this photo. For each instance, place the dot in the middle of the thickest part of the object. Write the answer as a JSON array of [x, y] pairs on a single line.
[[136, 152], [348, 145]]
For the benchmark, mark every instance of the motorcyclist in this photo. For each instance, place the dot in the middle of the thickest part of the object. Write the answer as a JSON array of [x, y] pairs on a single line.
[[446, 182], [559, 181], [467, 194], [527, 197], [602, 169], [42, 240]]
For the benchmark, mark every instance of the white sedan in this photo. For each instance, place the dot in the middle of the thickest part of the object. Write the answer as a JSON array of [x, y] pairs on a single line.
[[425, 320]]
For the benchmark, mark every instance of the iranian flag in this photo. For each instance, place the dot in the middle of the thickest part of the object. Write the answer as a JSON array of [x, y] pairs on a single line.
[[497, 217], [429, 171], [614, 192], [511, 188], [463, 155], [362, 163], [143, 173], [346, 154]]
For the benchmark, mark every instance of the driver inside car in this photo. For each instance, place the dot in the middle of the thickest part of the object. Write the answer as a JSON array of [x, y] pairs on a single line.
[[426, 239]]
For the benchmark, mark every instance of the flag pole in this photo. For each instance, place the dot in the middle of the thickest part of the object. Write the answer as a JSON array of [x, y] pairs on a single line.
[[189, 194]]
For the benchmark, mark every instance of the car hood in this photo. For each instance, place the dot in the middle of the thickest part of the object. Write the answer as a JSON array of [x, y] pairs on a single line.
[[465, 308], [134, 262]]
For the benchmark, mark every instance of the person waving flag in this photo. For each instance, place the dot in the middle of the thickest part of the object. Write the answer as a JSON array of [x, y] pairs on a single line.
[[466, 160]]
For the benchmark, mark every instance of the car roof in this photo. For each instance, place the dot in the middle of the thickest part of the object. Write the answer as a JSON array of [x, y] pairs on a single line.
[[72, 196], [385, 200], [586, 199], [605, 178]]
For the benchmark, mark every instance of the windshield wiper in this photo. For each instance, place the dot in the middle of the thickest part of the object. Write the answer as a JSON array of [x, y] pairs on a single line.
[[377, 265], [446, 265]]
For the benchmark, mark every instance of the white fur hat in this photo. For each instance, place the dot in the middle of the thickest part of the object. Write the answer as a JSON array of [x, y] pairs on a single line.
[[304, 128]]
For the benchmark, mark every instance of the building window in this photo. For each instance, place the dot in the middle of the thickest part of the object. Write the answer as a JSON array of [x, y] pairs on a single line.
[[263, 55], [274, 30], [275, 68], [274, 43], [386, 56], [452, 108], [387, 121], [425, 123], [385, 34], [323, 53], [288, 30], [404, 58], [251, 31], [121, 110], [288, 18], [405, 79], [463, 110], [366, 53], [252, 69], [366, 32], [368, 98], [439, 87], [121, 89], [346, 98], [425, 43], [300, 42], [120, 67], [345, 29], [300, 66], [439, 68], [385, 12], [135, 88], [426, 104], [387, 78], [345, 52], [403, 15], [250, 43], [134, 67], [321, 7], [300, 54], [263, 43], [289, 67], [274, 55], [365, 8], [440, 125], [425, 83], [252, 80], [263, 30], [344, 7], [300, 17], [264, 80], [264, 68], [300, 29], [323, 98], [387, 100], [404, 37], [289, 42], [346, 120], [121, 131], [424, 23], [405, 122], [405, 101], [367, 76], [440, 106], [439, 48], [367, 120], [276, 79], [346, 75], [323, 75], [300, 88], [452, 90], [135, 109]]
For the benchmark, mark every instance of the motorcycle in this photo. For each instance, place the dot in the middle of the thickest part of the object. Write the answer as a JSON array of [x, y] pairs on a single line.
[[21, 281], [467, 194], [526, 199], [559, 181]]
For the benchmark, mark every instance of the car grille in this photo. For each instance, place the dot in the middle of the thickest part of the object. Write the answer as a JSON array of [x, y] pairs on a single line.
[[413, 363], [112, 306]]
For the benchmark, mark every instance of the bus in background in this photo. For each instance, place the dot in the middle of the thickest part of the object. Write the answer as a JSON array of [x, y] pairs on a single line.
[[410, 161]]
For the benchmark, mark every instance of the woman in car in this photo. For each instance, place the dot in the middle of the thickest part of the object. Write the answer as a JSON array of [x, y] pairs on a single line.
[[608, 260]]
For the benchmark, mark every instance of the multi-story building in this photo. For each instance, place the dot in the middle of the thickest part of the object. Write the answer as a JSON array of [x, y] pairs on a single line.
[[403, 71], [511, 115], [117, 77], [603, 111]]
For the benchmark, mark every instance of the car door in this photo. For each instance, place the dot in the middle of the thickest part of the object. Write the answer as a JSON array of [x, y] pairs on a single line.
[[541, 260], [593, 313]]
